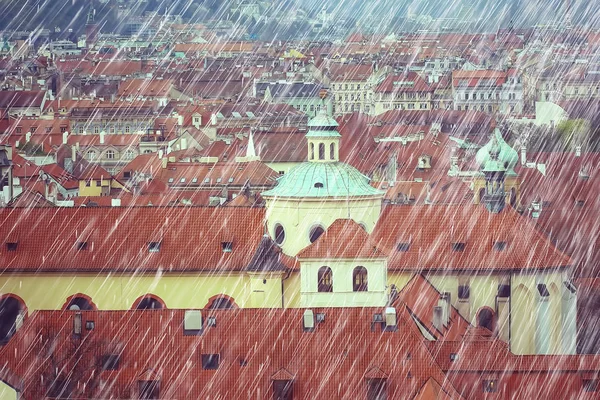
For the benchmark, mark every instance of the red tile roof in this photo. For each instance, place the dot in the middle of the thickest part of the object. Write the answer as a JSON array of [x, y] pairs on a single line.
[[344, 239], [255, 347], [431, 231], [118, 239]]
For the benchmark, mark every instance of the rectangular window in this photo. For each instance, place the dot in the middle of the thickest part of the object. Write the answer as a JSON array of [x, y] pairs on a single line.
[[458, 246], [149, 389], [210, 361], [464, 292], [500, 246], [490, 386], [110, 362], [283, 390], [127, 174], [377, 389], [403, 247], [154, 247], [227, 247], [98, 183], [590, 385]]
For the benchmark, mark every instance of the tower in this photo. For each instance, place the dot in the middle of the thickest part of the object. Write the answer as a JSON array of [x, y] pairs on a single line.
[[494, 173], [91, 29]]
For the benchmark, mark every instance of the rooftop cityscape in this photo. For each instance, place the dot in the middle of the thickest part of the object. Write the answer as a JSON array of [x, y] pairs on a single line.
[[287, 199]]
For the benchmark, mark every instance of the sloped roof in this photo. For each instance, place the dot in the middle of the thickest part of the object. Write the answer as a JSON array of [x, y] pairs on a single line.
[[119, 238], [343, 239], [268, 257], [254, 346], [431, 231]]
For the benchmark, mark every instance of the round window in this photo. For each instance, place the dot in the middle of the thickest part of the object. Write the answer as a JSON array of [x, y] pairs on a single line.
[[315, 233], [279, 234]]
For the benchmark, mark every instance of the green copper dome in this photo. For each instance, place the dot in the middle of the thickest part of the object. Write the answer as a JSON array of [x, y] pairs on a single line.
[[501, 151], [322, 180]]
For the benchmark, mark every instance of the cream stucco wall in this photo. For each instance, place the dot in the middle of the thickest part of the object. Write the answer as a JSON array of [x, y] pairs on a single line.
[[282, 166], [343, 294], [298, 217], [119, 292], [7, 393]]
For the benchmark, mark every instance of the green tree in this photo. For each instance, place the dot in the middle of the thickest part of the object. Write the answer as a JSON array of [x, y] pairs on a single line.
[[574, 132]]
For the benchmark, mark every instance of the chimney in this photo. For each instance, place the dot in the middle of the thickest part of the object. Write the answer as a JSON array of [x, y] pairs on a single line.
[[523, 155], [164, 162], [445, 303], [391, 320], [578, 151], [102, 134], [213, 119], [73, 153], [438, 315], [115, 202], [308, 320], [65, 137], [183, 144], [27, 137]]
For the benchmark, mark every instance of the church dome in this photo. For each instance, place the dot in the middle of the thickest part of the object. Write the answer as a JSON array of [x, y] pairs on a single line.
[[323, 180], [501, 151]]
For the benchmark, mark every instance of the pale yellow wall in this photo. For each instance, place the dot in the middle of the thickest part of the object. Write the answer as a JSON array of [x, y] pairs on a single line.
[[7, 393], [299, 216], [400, 279], [343, 294], [282, 166], [292, 290], [48, 292], [96, 190]]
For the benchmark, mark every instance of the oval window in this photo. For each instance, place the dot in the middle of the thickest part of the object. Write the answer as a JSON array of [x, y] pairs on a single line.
[[315, 233], [279, 234]]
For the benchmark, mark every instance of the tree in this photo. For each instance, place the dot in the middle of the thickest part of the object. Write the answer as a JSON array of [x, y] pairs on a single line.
[[574, 132]]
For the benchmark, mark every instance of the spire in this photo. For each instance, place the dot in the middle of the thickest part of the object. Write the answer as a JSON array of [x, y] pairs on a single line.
[[250, 151]]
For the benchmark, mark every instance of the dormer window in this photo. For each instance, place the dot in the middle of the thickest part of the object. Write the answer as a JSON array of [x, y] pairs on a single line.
[[110, 362], [227, 247], [458, 246], [149, 389], [590, 385], [153, 247], [543, 290], [210, 361], [11, 246]]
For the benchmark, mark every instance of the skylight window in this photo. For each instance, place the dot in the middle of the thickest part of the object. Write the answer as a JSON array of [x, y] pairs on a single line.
[[81, 246], [210, 361], [458, 246], [154, 247], [195, 180], [227, 247], [11, 246], [403, 247], [171, 180], [230, 180], [500, 246]]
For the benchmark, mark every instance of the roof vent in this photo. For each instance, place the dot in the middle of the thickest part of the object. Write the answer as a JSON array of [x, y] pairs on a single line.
[[308, 321], [438, 315], [192, 322]]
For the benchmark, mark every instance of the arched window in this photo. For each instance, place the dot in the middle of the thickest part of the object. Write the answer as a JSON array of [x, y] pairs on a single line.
[[10, 310], [221, 302], [359, 279], [321, 151], [312, 151], [332, 151], [325, 280], [129, 155], [149, 302], [79, 302], [485, 319], [90, 155], [315, 233]]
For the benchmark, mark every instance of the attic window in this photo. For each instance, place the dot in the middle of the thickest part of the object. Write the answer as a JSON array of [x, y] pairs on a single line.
[[82, 246], [154, 247], [453, 357], [319, 185], [543, 290], [227, 247], [458, 246], [11, 246], [500, 246], [210, 361], [403, 247], [127, 174], [110, 362], [490, 385], [580, 203], [149, 389]]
